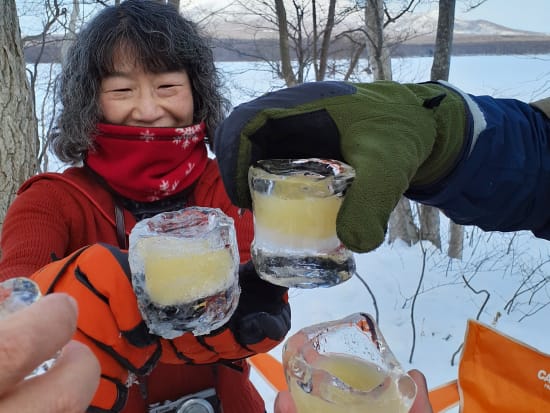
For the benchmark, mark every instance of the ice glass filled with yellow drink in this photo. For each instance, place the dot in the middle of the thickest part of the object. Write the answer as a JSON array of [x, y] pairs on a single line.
[[185, 270], [295, 204], [345, 366]]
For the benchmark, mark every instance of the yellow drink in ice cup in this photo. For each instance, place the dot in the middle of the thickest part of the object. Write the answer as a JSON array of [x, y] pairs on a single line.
[[297, 222], [295, 204], [184, 268], [357, 378], [345, 366], [181, 271]]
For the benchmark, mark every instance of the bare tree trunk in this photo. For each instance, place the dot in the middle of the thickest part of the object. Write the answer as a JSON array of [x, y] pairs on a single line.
[[18, 130], [429, 225], [378, 53], [69, 37], [456, 241], [284, 50], [315, 40], [440, 71], [443, 40], [327, 35], [402, 223]]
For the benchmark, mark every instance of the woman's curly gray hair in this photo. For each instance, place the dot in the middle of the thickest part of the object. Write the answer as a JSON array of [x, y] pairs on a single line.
[[160, 40]]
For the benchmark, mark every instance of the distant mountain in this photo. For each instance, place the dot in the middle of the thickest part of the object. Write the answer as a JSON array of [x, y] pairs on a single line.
[[484, 27], [412, 35], [426, 24], [415, 25], [415, 36]]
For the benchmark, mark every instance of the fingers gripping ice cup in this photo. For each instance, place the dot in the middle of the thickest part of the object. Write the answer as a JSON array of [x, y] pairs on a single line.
[[184, 268], [345, 366], [295, 203], [16, 294]]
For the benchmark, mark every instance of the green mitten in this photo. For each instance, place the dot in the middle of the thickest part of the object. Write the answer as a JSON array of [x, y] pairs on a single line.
[[393, 135]]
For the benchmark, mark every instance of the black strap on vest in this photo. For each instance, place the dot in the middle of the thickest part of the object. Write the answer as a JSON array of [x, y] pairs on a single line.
[[120, 226]]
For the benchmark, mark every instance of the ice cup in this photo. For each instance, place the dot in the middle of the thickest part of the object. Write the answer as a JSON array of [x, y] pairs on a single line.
[[16, 294], [184, 268], [345, 366], [295, 203]]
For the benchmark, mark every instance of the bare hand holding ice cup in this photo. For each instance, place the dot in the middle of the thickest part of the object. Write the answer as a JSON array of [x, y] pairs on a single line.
[[185, 270], [16, 294], [345, 366]]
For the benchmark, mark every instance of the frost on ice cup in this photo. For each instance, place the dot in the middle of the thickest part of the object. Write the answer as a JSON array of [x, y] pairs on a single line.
[[185, 270], [295, 203], [345, 366], [16, 294]]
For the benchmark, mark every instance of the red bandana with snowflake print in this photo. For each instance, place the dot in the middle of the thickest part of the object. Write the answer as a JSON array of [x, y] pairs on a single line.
[[148, 164]]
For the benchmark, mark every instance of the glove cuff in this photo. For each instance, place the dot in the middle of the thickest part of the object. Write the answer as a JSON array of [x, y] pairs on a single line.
[[450, 113]]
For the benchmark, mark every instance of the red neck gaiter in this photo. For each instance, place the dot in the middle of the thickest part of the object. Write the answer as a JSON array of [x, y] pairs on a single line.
[[148, 164]]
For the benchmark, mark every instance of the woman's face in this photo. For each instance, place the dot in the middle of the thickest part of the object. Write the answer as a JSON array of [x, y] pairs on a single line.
[[133, 97]]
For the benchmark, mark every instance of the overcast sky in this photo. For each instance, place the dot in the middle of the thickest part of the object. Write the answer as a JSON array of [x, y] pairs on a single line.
[[532, 15]]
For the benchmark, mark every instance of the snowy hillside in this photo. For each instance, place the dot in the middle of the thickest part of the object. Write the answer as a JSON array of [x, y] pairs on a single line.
[[228, 25], [426, 23]]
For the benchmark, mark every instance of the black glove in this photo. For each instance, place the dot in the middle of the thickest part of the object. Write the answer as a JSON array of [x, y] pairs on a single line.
[[263, 312]]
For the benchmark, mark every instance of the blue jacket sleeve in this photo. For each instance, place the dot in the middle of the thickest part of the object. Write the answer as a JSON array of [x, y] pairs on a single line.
[[502, 181]]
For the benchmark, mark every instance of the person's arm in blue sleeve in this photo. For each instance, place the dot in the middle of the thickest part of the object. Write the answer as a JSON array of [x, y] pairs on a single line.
[[502, 180], [483, 161]]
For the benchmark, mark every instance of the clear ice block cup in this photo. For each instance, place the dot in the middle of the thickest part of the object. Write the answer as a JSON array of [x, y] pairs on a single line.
[[345, 366], [184, 268], [16, 294], [295, 203]]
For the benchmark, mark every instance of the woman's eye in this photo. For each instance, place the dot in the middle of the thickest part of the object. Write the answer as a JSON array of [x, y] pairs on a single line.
[[121, 90], [167, 86]]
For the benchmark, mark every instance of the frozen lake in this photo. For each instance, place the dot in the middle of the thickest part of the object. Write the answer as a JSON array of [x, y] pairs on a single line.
[[510, 76]]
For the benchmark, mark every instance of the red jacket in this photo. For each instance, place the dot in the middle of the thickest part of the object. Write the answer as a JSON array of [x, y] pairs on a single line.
[[55, 214]]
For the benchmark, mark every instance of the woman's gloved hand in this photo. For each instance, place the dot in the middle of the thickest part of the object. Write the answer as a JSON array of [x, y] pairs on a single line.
[[260, 322], [109, 321], [394, 135]]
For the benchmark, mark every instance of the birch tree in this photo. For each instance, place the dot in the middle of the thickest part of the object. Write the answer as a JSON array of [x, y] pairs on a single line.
[[440, 71], [429, 216], [377, 47], [401, 224]]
